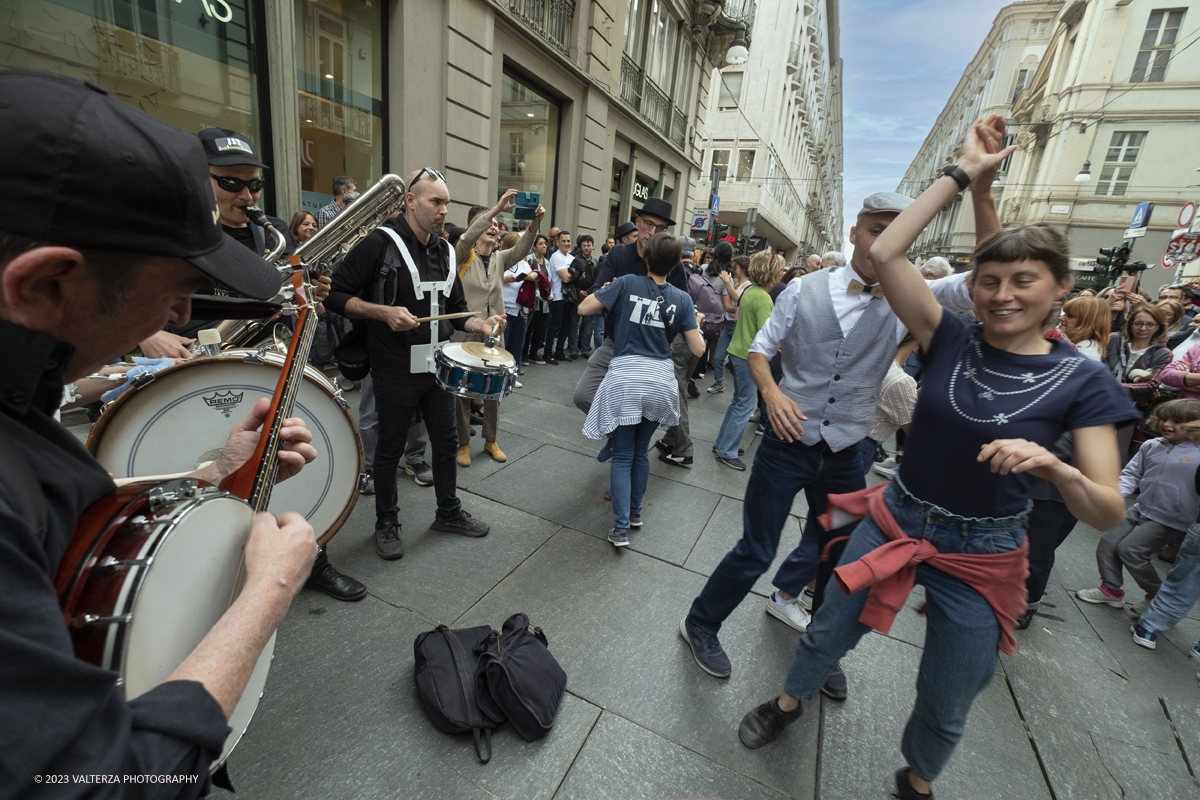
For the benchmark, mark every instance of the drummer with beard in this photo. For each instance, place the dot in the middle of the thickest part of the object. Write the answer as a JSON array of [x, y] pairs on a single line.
[[87, 269], [403, 383]]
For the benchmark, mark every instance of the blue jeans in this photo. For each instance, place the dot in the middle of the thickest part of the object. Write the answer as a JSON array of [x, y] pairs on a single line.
[[721, 351], [738, 413], [961, 629], [591, 331], [1181, 588], [780, 470], [630, 470], [514, 331]]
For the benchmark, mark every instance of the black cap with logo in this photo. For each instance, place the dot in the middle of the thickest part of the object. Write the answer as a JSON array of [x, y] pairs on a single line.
[[226, 148], [81, 168]]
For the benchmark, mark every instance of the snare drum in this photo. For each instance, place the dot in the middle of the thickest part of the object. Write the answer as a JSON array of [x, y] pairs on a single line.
[[180, 418], [467, 375]]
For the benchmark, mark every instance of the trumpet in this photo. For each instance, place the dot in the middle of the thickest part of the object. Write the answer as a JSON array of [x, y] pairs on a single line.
[[327, 246]]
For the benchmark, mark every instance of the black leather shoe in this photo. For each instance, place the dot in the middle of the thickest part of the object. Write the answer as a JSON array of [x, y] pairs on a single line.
[[692, 390], [764, 723], [333, 583], [662, 445], [904, 789], [1025, 619]]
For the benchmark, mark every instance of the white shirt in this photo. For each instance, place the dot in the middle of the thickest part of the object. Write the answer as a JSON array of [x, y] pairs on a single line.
[[1090, 349], [510, 289], [559, 260], [951, 292], [897, 401]]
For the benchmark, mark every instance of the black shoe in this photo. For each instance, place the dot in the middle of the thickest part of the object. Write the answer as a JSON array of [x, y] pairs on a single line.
[[835, 684], [679, 461], [692, 390], [327, 579], [463, 523], [560, 356], [733, 463], [764, 723], [662, 445], [476, 419], [553, 362], [573, 356], [904, 789], [1026, 619], [388, 544], [366, 483]]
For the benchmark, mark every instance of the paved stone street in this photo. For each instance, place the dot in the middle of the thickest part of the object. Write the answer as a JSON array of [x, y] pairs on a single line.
[[1079, 713]]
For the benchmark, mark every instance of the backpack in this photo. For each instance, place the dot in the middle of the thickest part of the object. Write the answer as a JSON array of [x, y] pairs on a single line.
[[350, 352], [519, 680], [446, 663], [708, 303]]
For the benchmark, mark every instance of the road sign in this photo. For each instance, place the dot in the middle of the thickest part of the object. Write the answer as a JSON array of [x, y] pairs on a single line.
[[715, 208], [748, 229], [1141, 215], [1135, 233], [1187, 214], [700, 219], [1181, 250]]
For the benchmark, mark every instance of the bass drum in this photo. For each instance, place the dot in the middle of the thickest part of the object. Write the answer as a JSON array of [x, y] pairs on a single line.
[[181, 417]]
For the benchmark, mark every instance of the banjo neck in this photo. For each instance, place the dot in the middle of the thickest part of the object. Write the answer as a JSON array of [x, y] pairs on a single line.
[[254, 481]]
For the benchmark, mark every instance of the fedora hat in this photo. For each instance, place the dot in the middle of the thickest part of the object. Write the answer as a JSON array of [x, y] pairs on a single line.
[[657, 207]]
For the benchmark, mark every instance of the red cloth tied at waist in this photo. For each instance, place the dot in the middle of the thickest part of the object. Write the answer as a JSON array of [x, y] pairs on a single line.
[[891, 569]]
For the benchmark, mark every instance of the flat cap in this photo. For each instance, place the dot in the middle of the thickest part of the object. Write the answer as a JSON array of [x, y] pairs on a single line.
[[885, 203]]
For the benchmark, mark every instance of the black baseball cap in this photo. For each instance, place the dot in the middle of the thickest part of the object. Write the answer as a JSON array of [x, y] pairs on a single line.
[[226, 148], [83, 169]]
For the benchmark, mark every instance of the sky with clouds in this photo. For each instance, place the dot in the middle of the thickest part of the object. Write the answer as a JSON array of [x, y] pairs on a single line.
[[902, 60]]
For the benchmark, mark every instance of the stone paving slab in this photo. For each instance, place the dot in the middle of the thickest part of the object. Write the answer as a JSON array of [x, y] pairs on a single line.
[[622, 760], [514, 446], [551, 423], [341, 718], [723, 531], [618, 640], [432, 579], [860, 737], [570, 487]]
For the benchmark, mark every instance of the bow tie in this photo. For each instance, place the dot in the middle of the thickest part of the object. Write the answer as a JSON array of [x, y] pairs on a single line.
[[857, 288]]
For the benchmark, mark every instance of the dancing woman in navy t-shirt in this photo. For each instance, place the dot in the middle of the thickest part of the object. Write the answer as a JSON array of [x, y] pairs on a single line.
[[996, 395]]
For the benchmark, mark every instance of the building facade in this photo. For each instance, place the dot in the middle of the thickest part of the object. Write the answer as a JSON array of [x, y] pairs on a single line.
[[1002, 68], [775, 136], [595, 105], [1107, 121]]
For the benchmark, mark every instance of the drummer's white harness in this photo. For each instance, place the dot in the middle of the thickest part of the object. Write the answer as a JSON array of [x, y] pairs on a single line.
[[421, 358]]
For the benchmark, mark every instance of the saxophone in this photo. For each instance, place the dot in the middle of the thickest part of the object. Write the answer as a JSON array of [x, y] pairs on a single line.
[[327, 246]]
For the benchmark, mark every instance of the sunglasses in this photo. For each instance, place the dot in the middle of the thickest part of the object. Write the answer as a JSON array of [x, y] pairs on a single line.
[[426, 171], [235, 185]]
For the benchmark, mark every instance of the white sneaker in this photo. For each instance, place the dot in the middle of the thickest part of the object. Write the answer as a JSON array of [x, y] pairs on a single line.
[[789, 613], [756, 415], [887, 467], [517, 385]]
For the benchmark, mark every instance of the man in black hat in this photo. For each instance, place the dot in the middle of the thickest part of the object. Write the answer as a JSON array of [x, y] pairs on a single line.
[[108, 226], [625, 259], [626, 233], [236, 175]]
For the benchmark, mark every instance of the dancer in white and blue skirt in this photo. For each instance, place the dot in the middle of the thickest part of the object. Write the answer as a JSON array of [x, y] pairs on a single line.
[[639, 392], [996, 396]]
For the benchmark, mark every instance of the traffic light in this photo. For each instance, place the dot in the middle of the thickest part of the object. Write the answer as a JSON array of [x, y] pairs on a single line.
[[1114, 259]]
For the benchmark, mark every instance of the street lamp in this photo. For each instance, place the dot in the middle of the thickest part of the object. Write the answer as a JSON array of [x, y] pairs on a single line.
[[1085, 174], [738, 54]]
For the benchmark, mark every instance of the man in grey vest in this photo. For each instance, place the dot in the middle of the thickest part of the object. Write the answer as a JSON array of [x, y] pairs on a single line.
[[837, 335]]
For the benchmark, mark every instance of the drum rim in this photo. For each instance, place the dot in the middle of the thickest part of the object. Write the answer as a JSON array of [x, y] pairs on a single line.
[[111, 409]]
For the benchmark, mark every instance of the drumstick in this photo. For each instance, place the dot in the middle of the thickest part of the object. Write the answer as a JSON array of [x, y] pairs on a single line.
[[459, 315]]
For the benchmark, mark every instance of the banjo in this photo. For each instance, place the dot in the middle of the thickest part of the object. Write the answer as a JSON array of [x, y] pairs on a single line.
[[153, 566]]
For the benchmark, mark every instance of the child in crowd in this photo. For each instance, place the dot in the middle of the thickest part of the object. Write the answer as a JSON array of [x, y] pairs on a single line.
[[639, 392], [1164, 472]]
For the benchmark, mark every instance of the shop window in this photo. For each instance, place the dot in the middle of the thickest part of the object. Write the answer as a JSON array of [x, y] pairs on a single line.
[[339, 74], [191, 65], [529, 122], [1158, 43]]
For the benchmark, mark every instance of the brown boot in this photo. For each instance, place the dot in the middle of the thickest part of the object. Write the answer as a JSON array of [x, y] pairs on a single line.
[[464, 455], [1168, 554], [494, 451]]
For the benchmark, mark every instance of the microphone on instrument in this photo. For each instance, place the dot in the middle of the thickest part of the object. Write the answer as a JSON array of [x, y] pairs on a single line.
[[259, 218]]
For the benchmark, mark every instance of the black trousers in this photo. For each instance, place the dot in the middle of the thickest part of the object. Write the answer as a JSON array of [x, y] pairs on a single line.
[[1050, 524], [397, 397]]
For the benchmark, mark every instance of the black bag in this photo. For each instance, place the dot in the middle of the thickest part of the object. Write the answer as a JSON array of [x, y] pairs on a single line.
[[446, 664], [352, 356], [519, 680]]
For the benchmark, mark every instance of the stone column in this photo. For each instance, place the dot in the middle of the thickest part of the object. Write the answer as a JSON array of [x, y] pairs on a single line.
[[285, 107]]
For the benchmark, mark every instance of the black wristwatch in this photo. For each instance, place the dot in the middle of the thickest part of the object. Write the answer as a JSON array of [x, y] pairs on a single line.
[[960, 177]]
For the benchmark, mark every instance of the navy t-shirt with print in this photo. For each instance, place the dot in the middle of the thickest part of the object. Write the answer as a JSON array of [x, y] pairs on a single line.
[[973, 394], [656, 314]]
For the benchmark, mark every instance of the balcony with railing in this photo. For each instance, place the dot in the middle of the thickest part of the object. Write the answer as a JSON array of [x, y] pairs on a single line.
[[550, 18], [651, 103], [795, 59]]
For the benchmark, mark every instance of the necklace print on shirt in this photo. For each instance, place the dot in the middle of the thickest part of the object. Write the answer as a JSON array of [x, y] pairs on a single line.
[[977, 379]]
